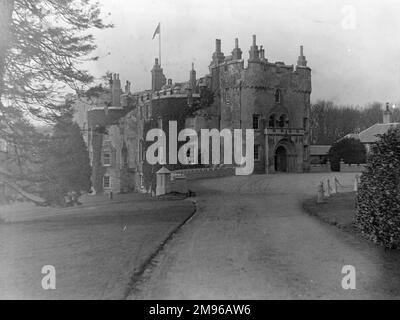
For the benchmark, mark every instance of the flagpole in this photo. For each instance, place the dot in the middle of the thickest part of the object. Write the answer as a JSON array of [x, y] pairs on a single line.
[[159, 45]]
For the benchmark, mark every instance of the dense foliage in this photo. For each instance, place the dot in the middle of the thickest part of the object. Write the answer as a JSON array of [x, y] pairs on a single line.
[[378, 214], [330, 122], [43, 44], [65, 163], [352, 151]]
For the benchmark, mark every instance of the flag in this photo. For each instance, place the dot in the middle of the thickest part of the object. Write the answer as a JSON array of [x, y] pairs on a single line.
[[157, 30]]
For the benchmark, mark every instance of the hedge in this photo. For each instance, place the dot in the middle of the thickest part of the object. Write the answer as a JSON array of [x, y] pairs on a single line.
[[378, 199]]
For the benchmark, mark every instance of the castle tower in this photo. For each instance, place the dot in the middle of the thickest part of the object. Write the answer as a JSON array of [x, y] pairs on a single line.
[[193, 79], [157, 77], [218, 55], [237, 53], [387, 115], [262, 54], [301, 61], [254, 52]]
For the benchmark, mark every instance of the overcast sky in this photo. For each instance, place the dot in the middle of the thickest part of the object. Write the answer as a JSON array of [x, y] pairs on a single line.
[[353, 47]]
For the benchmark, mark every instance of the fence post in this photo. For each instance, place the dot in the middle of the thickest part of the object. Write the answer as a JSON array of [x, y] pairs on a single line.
[[327, 191], [320, 193], [356, 183]]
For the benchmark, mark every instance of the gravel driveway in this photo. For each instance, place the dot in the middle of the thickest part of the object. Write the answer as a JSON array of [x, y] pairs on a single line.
[[250, 239]]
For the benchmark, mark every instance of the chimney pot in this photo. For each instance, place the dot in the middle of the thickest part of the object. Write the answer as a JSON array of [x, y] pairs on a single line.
[[218, 45]]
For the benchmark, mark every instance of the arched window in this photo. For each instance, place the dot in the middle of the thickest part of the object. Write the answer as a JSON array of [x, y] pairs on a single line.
[[272, 121], [283, 121], [278, 96]]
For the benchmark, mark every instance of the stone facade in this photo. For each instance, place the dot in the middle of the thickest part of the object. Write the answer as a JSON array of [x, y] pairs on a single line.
[[272, 98]]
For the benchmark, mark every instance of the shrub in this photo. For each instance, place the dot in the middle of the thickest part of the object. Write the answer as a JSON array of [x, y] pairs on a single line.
[[378, 199], [351, 150]]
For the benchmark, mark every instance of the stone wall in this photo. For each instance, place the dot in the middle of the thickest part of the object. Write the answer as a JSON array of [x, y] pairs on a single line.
[[344, 167], [320, 168], [204, 173]]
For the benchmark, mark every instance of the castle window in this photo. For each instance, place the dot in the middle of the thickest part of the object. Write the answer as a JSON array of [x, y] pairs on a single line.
[[256, 121], [159, 123], [283, 121], [106, 182], [271, 121], [257, 152], [226, 96], [278, 96], [107, 158], [305, 123]]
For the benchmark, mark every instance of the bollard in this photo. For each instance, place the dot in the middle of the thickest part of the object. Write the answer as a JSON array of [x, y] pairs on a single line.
[[355, 189], [334, 189], [337, 183], [327, 191], [331, 191], [320, 193]]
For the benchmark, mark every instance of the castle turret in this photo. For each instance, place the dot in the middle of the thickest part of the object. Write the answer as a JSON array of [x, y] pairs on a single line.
[[157, 77], [237, 52], [254, 52], [193, 79], [301, 61], [387, 115], [116, 90], [218, 55]]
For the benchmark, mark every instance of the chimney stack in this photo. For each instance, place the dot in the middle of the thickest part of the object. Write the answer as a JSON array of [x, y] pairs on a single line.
[[237, 53], [116, 91], [128, 87], [218, 45], [193, 79], [217, 56], [254, 53], [301, 61], [387, 115]]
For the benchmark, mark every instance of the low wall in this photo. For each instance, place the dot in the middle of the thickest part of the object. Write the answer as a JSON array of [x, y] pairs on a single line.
[[344, 167], [320, 168], [204, 173]]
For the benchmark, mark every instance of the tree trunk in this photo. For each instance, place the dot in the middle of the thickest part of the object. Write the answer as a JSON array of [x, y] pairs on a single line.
[[6, 9]]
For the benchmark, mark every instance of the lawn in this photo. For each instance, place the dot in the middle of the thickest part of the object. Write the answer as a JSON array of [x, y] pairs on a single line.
[[339, 209], [95, 248]]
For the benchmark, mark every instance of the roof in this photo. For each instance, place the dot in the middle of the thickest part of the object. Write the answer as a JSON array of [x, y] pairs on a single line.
[[163, 170], [319, 150], [370, 135]]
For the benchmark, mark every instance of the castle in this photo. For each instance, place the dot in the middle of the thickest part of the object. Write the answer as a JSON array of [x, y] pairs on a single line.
[[271, 98]]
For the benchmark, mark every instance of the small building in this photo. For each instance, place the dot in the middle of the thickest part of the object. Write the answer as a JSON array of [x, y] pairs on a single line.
[[371, 135], [319, 154]]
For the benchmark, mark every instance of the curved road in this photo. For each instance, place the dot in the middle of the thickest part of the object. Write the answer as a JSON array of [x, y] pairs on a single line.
[[250, 239]]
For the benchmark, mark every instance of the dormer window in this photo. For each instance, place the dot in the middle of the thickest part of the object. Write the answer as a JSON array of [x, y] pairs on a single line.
[[278, 96]]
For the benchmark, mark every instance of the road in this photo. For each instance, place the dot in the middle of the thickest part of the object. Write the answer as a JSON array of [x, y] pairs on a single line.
[[250, 239]]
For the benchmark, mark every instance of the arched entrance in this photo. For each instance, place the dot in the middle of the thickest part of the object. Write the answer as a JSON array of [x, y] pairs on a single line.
[[281, 162]]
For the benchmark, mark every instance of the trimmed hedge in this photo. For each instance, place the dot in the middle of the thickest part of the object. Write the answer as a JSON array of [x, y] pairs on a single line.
[[378, 199]]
